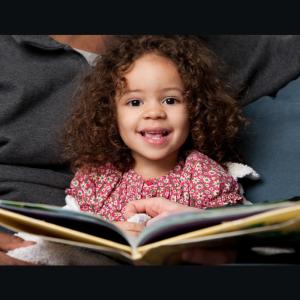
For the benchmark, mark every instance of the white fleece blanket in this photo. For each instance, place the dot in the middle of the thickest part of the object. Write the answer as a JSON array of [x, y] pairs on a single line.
[[51, 253]]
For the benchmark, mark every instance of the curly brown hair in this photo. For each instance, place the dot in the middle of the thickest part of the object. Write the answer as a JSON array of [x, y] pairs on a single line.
[[92, 136]]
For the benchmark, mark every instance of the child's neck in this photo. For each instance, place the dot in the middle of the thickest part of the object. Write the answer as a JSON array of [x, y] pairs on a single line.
[[153, 169]]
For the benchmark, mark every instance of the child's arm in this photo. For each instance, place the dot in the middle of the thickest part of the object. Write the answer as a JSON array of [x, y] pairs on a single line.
[[211, 185], [91, 186]]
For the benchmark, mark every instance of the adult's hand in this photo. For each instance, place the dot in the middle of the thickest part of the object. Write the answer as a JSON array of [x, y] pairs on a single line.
[[11, 242]]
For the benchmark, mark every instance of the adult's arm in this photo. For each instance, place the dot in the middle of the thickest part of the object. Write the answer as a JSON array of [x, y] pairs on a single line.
[[260, 64]]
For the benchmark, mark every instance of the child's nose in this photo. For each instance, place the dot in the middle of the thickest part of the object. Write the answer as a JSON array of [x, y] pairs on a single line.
[[155, 112]]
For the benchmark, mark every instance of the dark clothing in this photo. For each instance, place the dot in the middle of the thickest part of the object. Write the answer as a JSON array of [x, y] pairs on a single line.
[[38, 77], [260, 64]]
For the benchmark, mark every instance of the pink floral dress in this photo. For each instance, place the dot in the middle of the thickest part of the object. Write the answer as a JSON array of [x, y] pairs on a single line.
[[198, 181]]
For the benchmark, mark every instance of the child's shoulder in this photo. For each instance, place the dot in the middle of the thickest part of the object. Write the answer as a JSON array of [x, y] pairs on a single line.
[[196, 160], [90, 179], [198, 157]]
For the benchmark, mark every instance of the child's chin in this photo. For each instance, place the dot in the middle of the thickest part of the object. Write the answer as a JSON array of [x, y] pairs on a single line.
[[156, 156]]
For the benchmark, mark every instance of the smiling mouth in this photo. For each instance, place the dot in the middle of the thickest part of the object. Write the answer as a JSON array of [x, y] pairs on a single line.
[[156, 137], [155, 134]]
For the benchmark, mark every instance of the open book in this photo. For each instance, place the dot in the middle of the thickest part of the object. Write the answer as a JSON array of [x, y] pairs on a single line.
[[270, 223]]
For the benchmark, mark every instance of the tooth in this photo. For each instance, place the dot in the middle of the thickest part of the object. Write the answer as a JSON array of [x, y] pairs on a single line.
[[153, 135]]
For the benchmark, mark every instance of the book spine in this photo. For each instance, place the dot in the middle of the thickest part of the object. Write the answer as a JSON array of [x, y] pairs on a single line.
[[135, 254]]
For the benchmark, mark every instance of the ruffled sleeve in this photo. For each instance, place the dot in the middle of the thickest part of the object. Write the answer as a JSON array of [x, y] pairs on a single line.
[[92, 186], [210, 185]]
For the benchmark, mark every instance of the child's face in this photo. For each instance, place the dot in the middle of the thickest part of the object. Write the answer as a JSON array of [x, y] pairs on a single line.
[[152, 113]]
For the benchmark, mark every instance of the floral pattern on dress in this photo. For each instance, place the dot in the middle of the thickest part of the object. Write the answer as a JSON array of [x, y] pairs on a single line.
[[198, 181]]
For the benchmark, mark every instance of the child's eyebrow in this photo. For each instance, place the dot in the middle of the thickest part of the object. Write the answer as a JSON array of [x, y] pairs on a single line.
[[132, 91], [173, 89], [163, 90]]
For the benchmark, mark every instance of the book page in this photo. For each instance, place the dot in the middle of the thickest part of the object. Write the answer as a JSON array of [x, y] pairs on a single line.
[[79, 221], [263, 220], [18, 222], [180, 223], [284, 234]]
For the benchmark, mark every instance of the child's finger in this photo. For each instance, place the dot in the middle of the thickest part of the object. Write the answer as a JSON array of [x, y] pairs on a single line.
[[131, 228], [147, 206], [158, 217]]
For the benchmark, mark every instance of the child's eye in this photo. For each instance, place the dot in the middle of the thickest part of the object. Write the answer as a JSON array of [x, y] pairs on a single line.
[[170, 100], [134, 102]]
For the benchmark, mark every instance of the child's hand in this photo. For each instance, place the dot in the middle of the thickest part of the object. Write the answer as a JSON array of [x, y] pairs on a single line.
[[139, 218], [130, 228], [156, 208]]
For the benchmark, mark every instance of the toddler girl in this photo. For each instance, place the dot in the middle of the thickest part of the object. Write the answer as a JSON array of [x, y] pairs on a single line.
[[154, 119]]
